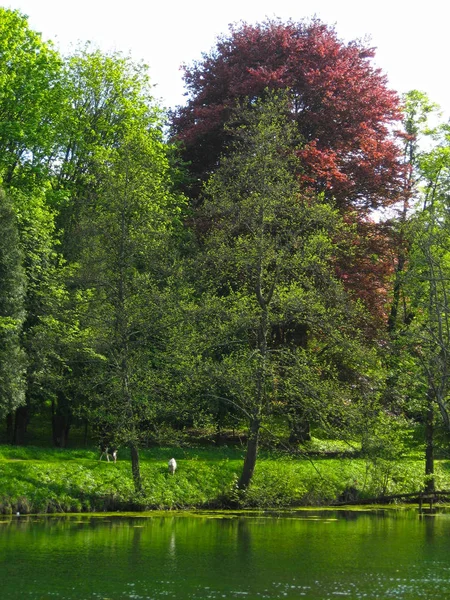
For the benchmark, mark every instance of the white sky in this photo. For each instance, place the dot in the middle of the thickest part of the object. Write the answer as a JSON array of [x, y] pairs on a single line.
[[411, 37]]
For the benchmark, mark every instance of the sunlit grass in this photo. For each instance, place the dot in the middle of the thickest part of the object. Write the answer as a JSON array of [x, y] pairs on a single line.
[[52, 480]]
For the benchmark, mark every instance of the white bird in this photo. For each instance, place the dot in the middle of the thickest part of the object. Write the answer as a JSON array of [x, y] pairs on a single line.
[[172, 466]]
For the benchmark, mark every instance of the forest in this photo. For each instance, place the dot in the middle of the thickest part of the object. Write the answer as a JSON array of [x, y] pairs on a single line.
[[267, 264]]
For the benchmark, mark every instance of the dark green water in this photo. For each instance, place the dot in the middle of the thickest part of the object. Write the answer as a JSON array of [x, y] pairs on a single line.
[[299, 555]]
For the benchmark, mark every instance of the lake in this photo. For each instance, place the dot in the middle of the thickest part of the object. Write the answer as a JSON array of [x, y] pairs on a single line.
[[298, 554]]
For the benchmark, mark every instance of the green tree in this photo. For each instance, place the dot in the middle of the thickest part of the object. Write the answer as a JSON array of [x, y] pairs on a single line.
[[30, 101], [41, 266], [418, 110], [32, 98], [12, 311], [124, 266], [105, 96], [281, 317], [416, 351], [426, 282]]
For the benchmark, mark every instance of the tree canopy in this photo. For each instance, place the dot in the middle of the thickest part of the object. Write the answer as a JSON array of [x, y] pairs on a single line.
[[343, 108]]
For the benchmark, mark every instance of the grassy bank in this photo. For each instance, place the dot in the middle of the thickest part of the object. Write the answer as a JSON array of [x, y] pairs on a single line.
[[38, 480]]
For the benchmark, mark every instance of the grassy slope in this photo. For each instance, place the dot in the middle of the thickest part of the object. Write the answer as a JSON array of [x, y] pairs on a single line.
[[48, 480]]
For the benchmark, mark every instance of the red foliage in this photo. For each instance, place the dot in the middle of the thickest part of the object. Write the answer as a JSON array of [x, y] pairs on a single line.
[[341, 103], [365, 265]]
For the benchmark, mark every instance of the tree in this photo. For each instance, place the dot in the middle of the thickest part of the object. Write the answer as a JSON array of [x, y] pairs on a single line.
[[344, 115], [417, 111], [124, 266], [341, 105], [63, 124], [281, 318], [104, 98], [42, 268], [426, 283], [30, 101], [105, 95], [12, 311], [419, 237]]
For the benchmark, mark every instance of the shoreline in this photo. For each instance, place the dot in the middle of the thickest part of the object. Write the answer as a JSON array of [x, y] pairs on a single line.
[[49, 481]]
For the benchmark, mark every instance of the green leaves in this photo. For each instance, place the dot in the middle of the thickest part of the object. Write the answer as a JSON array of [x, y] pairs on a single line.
[[12, 311], [280, 332], [30, 100]]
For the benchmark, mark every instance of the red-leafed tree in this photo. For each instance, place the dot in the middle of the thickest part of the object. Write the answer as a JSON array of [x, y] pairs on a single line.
[[341, 103], [346, 116]]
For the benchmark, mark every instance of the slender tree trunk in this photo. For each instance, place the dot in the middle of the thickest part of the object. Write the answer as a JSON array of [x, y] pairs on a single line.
[[401, 261], [61, 422], [392, 319], [121, 330], [218, 439], [255, 422], [250, 455], [9, 428], [135, 468], [21, 420], [429, 444], [64, 433]]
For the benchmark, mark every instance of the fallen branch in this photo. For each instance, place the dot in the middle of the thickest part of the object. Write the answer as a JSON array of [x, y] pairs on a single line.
[[420, 496]]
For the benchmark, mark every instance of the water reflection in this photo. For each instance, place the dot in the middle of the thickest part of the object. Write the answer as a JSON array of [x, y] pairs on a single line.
[[300, 554]]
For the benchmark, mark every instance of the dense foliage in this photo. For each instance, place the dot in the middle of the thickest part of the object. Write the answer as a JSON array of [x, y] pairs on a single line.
[[265, 304], [342, 107], [345, 120]]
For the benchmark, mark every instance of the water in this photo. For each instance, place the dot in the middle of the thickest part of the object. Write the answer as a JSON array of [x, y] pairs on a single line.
[[303, 554]]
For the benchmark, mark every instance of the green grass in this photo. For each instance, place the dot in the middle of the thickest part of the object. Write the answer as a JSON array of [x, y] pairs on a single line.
[[52, 480]]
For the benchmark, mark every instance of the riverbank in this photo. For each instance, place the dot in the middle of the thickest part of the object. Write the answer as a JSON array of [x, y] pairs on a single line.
[[39, 480]]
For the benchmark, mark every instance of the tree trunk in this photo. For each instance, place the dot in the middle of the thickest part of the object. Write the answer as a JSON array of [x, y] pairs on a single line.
[[429, 445], [250, 455], [85, 434], [392, 319], [21, 420], [61, 422], [135, 468], [9, 428]]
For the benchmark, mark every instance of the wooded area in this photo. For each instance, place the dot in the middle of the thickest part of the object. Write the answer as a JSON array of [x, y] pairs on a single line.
[[272, 257]]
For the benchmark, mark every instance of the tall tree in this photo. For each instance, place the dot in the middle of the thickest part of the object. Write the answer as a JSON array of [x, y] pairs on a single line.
[[418, 240], [42, 267], [417, 111], [281, 316], [125, 261], [12, 311], [31, 103], [106, 97], [426, 288]]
